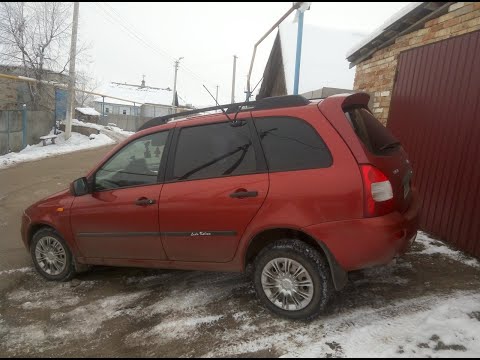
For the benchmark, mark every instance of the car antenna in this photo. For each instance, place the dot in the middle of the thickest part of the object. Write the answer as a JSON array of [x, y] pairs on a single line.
[[234, 122]]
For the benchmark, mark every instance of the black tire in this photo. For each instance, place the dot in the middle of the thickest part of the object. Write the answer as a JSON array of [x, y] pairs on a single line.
[[313, 263], [69, 270]]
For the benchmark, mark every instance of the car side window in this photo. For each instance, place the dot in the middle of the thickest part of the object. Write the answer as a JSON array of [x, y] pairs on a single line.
[[214, 150], [135, 164], [291, 144]]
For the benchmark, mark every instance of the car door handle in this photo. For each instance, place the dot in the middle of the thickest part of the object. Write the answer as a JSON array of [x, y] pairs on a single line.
[[144, 201], [243, 194]]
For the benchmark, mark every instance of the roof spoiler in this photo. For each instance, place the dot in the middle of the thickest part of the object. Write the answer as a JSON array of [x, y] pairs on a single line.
[[360, 98]]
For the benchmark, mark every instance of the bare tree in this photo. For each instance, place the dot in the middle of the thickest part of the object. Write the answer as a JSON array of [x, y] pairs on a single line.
[[86, 83], [35, 37]]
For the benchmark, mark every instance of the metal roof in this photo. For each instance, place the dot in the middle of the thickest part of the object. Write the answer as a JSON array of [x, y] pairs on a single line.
[[407, 20]]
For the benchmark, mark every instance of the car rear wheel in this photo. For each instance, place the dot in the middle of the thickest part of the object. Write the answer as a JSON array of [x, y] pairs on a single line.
[[51, 256], [292, 279]]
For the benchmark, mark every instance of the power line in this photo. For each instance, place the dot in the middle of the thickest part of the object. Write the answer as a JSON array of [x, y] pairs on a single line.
[[131, 28], [140, 35], [137, 35]]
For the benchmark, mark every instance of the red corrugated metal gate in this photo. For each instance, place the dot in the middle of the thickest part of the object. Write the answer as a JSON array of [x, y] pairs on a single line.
[[435, 113]]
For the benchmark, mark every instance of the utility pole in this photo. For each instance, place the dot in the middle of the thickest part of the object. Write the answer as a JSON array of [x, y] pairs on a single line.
[[305, 6], [216, 95], [233, 80], [177, 62], [71, 82], [295, 6]]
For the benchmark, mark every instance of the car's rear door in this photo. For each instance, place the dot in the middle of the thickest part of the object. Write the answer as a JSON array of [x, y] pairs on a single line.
[[215, 184]]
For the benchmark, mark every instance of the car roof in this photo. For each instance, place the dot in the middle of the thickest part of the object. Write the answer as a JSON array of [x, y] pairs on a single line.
[[216, 113], [263, 104]]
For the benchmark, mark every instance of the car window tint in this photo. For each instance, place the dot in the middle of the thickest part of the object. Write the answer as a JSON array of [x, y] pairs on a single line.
[[135, 164], [291, 144], [213, 150], [370, 131]]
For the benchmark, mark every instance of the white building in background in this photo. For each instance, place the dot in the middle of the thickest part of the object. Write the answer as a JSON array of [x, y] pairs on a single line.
[[145, 101]]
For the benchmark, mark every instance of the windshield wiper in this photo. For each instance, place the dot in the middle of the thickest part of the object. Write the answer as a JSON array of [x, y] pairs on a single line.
[[242, 148], [390, 146]]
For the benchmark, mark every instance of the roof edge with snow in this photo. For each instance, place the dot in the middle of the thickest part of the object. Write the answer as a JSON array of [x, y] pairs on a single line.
[[412, 17], [87, 111]]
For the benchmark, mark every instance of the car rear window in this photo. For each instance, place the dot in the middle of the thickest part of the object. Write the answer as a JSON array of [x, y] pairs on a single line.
[[291, 144], [376, 137]]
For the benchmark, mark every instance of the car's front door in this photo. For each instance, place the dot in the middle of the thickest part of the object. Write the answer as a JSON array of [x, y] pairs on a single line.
[[216, 182], [119, 219]]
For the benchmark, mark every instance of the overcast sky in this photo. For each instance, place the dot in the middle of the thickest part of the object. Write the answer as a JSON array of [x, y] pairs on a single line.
[[129, 40]]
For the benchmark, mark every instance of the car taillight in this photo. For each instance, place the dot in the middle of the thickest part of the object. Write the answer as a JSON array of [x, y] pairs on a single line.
[[377, 190]]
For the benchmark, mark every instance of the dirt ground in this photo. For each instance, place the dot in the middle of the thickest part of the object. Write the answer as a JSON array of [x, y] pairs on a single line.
[[126, 312], [22, 185]]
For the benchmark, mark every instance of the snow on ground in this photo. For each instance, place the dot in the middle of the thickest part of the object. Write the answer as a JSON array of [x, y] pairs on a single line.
[[192, 313], [12, 271], [35, 152], [433, 246], [113, 128], [448, 326]]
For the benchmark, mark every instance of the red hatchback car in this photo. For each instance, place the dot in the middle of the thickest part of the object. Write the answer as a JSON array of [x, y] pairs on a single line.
[[305, 191]]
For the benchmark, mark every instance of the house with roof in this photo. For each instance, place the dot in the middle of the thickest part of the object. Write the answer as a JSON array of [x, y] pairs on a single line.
[[322, 66], [134, 100], [87, 114], [422, 70]]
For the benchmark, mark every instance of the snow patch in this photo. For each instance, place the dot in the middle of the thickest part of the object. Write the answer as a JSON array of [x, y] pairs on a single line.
[[89, 318], [12, 271], [111, 127], [433, 246], [33, 335], [426, 326], [88, 111], [177, 301], [174, 329], [444, 329], [241, 315], [33, 299], [51, 304], [384, 274], [35, 152], [213, 288], [395, 17]]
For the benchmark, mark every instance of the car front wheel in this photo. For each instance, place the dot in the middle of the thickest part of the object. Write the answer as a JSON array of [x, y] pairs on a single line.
[[51, 256], [292, 279]]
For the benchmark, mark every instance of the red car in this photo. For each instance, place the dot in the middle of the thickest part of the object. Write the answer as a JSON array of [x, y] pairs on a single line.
[[305, 191]]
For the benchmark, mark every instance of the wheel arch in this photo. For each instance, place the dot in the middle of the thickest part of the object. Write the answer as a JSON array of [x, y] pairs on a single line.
[[34, 228], [268, 236]]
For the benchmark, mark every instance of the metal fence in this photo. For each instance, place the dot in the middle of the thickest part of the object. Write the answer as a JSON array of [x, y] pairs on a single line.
[[12, 130], [19, 128], [125, 122]]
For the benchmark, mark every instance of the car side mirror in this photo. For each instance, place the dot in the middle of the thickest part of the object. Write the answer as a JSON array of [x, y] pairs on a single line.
[[80, 187]]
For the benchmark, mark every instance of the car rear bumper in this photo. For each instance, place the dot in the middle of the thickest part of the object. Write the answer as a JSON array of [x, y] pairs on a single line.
[[362, 243]]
